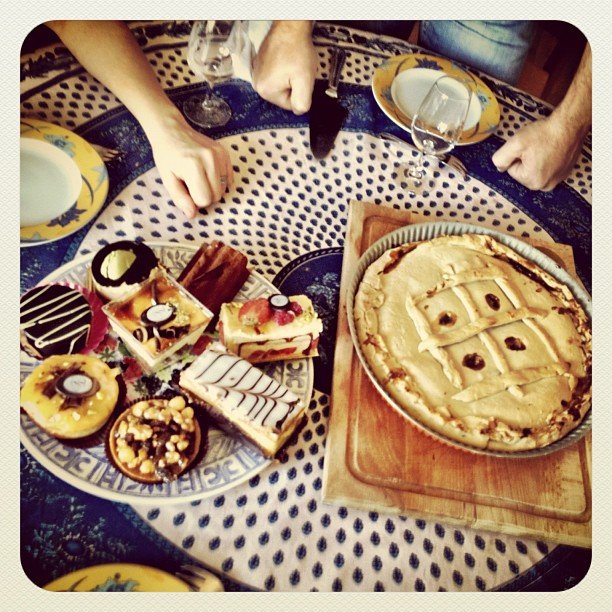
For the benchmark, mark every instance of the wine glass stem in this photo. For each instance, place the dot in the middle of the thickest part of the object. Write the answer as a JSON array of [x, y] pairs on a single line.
[[416, 170], [208, 93]]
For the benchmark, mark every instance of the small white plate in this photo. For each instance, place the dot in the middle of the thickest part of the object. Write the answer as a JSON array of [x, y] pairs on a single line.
[[410, 87], [50, 182]]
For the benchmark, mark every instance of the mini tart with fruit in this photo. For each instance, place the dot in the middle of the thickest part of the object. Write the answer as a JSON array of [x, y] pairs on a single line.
[[271, 329], [70, 396], [155, 439]]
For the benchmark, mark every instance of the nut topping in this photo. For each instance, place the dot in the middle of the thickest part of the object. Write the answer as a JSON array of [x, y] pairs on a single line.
[[157, 437]]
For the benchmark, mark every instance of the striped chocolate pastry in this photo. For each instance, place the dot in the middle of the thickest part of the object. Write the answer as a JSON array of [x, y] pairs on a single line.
[[54, 320]]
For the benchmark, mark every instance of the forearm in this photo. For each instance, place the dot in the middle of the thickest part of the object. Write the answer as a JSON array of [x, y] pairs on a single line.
[[574, 111], [109, 52], [292, 30]]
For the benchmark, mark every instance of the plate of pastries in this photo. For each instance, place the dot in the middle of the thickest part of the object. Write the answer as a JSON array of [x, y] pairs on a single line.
[[152, 372]]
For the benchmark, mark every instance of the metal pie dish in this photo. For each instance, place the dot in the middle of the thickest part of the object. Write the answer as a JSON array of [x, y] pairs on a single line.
[[426, 231]]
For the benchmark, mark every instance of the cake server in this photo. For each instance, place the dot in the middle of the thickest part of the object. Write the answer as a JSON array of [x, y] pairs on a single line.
[[327, 114]]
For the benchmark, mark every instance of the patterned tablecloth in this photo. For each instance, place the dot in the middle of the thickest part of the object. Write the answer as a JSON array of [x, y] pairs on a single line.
[[288, 214]]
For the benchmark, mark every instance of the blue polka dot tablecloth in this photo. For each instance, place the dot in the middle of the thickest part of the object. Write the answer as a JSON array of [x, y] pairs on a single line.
[[288, 214]]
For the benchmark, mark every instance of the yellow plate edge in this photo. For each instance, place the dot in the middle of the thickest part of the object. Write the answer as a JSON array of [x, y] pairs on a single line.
[[385, 73], [95, 179]]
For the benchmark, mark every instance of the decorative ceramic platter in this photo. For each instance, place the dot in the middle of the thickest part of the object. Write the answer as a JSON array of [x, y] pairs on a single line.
[[93, 191], [426, 231], [401, 82], [228, 461], [118, 577]]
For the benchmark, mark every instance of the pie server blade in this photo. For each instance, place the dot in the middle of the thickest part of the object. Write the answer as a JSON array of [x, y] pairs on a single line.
[[327, 114]]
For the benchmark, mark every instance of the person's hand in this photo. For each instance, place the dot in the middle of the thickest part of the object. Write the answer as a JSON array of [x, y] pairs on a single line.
[[541, 154], [195, 169], [285, 66]]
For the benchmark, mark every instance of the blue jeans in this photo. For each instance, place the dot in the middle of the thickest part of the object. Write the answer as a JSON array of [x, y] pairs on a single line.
[[498, 48]]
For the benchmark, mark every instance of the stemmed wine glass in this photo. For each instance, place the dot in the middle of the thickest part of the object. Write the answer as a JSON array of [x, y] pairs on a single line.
[[209, 56], [437, 124]]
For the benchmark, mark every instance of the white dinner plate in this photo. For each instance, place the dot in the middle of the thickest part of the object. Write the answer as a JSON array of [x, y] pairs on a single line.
[[49, 182], [50, 154], [410, 87], [228, 461]]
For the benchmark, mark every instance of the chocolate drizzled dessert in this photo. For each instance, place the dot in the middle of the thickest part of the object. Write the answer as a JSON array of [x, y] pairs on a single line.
[[53, 320], [243, 398]]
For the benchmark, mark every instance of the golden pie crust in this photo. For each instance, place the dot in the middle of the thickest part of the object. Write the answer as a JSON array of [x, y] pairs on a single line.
[[476, 342]]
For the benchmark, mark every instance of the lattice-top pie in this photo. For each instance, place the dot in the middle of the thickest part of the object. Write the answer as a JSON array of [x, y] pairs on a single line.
[[476, 342]]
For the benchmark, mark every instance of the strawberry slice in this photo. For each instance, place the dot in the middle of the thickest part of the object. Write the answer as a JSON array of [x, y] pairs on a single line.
[[282, 317], [255, 312], [295, 307]]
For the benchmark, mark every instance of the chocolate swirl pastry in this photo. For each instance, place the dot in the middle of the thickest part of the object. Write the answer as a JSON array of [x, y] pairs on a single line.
[[119, 266], [155, 439], [53, 320]]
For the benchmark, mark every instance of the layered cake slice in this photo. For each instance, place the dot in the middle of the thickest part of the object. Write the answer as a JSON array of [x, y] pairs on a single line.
[[271, 329], [157, 319], [242, 398]]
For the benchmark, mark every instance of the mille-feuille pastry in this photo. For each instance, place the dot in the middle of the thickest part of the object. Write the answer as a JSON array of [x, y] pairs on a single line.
[[157, 319], [476, 342], [155, 439], [214, 275], [70, 396], [242, 398], [119, 266], [271, 329], [54, 319]]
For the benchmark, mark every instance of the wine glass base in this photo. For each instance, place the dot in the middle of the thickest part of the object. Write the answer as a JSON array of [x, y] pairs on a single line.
[[207, 113], [417, 185]]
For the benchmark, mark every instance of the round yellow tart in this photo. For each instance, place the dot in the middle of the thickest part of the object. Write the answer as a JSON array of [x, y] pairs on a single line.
[[70, 396], [475, 342]]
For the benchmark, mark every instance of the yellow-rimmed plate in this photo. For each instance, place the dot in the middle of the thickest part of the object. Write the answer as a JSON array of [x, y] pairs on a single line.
[[114, 577], [401, 82], [93, 191]]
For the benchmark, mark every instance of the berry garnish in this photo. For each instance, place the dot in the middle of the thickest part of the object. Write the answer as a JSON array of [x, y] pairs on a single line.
[[295, 307], [282, 317], [255, 312]]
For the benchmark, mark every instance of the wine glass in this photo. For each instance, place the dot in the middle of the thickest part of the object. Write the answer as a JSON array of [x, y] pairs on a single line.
[[437, 124], [209, 56]]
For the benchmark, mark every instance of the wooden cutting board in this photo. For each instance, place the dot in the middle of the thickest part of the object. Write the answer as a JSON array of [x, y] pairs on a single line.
[[377, 460]]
